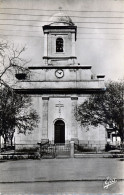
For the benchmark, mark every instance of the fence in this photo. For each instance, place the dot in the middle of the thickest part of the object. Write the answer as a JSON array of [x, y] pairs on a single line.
[[48, 150], [62, 150], [43, 150], [55, 150], [82, 148]]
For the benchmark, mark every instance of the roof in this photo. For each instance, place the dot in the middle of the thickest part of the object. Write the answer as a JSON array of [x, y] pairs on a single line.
[[60, 19]]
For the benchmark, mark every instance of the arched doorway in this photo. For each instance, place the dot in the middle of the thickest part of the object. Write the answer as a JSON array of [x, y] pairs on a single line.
[[59, 132]]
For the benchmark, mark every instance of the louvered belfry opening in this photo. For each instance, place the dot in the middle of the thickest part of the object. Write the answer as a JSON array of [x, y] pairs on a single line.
[[59, 45]]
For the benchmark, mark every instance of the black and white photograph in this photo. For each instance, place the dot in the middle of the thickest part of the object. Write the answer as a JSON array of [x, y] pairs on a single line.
[[61, 97]]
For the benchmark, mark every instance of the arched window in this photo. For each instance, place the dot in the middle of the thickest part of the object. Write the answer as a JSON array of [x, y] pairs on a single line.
[[59, 45]]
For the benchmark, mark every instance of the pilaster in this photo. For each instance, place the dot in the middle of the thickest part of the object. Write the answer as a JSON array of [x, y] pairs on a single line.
[[45, 100], [73, 44], [74, 131], [45, 44]]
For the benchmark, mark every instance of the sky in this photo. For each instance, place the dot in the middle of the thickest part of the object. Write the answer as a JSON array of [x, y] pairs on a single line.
[[100, 30]]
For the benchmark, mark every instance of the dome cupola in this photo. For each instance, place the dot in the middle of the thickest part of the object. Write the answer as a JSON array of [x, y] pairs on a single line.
[[60, 19]]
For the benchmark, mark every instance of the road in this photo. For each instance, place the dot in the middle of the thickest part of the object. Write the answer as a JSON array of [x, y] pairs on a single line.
[[60, 187], [75, 176]]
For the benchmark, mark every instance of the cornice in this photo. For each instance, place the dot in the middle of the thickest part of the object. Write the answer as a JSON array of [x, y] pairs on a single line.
[[61, 67]]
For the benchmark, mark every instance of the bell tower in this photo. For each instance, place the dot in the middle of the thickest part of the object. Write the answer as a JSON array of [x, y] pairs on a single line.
[[59, 41]]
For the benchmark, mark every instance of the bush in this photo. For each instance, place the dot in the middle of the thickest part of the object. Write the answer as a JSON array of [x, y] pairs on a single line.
[[110, 147], [82, 148], [27, 150], [32, 152]]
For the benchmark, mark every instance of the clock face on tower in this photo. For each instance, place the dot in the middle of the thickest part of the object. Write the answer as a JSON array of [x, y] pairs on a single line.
[[59, 73]]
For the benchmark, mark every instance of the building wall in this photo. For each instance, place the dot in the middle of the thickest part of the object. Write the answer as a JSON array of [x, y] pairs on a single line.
[[56, 113], [76, 79], [92, 137], [69, 75], [67, 44]]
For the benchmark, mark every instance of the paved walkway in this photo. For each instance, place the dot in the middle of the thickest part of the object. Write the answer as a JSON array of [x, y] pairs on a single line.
[[84, 169]]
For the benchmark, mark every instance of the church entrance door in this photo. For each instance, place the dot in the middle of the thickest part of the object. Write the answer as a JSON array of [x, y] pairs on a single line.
[[59, 132]]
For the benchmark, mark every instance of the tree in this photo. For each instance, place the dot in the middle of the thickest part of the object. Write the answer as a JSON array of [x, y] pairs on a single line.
[[104, 109], [15, 109], [10, 59], [16, 113]]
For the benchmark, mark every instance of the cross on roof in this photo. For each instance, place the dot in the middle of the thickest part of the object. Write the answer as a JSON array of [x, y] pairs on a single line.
[[60, 8]]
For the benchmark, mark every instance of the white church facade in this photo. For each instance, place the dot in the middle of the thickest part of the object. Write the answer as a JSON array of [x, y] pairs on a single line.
[[58, 86]]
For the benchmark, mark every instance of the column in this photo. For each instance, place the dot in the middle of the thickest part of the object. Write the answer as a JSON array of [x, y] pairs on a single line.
[[74, 131], [45, 100], [45, 44], [73, 44]]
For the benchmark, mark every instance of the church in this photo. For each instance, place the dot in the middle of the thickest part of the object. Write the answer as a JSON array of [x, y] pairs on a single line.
[[58, 86]]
